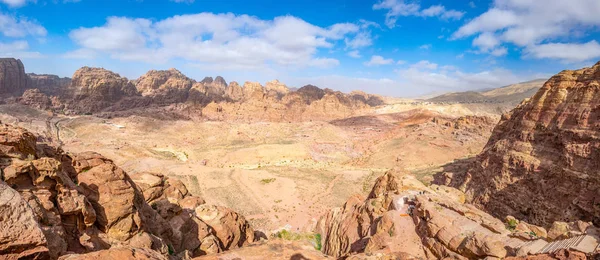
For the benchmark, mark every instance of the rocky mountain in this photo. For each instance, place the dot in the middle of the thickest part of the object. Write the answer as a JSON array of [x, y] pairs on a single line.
[[54, 203], [171, 94], [542, 162], [512, 95], [13, 79]]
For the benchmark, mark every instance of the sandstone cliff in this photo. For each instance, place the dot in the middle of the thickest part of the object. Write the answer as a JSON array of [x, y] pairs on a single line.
[[50, 85], [171, 94], [13, 79], [542, 162]]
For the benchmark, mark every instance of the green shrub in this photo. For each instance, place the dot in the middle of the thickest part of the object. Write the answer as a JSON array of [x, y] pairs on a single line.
[[267, 181], [511, 224]]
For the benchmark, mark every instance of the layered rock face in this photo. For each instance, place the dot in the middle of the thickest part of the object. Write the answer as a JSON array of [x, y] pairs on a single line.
[[542, 162], [165, 86], [170, 94], [52, 203], [50, 85], [13, 79], [94, 89], [371, 224]]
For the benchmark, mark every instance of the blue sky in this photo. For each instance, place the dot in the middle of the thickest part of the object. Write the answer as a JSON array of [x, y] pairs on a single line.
[[390, 47]]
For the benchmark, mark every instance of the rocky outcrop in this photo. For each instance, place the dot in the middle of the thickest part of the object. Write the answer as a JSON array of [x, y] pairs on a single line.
[[121, 253], [94, 89], [278, 87], [35, 98], [170, 94], [13, 79], [234, 92], [50, 85], [542, 161], [20, 234], [272, 249], [371, 224], [83, 203], [164, 86]]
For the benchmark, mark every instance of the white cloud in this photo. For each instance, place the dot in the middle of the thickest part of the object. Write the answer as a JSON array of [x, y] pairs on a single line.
[[324, 62], [424, 64], [10, 26], [13, 46], [20, 3], [183, 1], [425, 47], [501, 51], [486, 41], [14, 3], [362, 39], [354, 54], [377, 60], [397, 8], [400, 62], [472, 4], [570, 52], [533, 25], [219, 39], [366, 24], [18, 49], [425, 77], [80, 54]]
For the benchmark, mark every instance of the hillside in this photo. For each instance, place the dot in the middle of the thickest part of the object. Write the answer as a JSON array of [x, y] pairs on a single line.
[[511, 94]]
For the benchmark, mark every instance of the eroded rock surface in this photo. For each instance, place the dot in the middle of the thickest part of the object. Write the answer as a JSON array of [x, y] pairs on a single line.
[[57, 203], [542, 162], [13, 79]]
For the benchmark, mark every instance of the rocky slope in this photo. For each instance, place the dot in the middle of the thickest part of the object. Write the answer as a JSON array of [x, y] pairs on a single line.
[[542, 162], [53, 203], [403, 219]]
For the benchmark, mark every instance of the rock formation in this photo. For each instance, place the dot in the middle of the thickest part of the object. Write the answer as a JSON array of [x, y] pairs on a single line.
[[13, 79], [170, 94], [372, 224], [94, 89], [20, 235], [50, 85], [542, 162], [52, 203], [171, 84]]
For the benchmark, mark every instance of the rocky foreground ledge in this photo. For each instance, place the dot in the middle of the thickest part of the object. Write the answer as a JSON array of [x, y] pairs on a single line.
[[54, 203]]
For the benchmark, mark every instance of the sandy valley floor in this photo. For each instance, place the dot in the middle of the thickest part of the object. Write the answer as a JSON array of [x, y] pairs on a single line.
[[259, 169]]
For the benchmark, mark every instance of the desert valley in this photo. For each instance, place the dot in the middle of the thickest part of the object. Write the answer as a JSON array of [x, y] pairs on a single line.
[[299, 130], [165, 166]]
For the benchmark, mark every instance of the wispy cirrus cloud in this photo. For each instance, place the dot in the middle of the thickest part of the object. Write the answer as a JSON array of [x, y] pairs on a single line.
[[398, 8]]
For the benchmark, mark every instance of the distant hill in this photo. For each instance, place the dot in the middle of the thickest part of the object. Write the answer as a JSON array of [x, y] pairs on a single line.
[[511, 94]]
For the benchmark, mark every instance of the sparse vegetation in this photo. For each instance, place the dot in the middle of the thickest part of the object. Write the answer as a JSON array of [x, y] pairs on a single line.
[[315, 239], [267, 181], [512, 224]]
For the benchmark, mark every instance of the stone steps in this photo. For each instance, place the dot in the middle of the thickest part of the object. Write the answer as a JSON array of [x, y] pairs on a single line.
[[584, 243]]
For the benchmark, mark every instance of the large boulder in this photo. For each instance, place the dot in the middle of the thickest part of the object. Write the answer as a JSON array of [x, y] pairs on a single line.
[[20, 234], [120, 253], [83, 203]]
